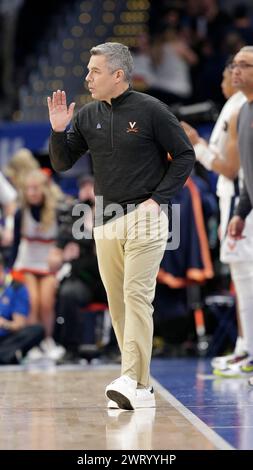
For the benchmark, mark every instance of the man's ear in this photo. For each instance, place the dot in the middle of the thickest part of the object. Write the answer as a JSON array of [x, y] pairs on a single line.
[[119, 75]]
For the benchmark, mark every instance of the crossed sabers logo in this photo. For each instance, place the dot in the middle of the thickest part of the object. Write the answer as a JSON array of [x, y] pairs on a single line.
[[132, 127]]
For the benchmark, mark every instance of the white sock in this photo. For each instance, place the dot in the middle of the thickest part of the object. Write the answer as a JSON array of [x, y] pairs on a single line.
[[239, 345]]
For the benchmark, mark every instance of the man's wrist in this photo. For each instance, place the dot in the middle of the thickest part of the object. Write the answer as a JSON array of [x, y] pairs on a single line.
[[241, 214], [204, 154]]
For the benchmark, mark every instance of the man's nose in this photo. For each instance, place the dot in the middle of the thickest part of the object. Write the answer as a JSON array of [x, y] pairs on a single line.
[[236, 71], [87, 78]]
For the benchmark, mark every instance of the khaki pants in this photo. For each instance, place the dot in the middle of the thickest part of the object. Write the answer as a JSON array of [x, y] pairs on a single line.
[[129, 251]]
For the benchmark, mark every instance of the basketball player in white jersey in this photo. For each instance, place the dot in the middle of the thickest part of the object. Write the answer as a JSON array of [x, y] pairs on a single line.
[[221, 155]]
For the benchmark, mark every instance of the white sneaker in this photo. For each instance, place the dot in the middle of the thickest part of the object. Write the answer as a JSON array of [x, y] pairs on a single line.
[[144, 398], [33, 354], [222, 362], [236, 370], [122, 391], [250, 381], [51, 349]]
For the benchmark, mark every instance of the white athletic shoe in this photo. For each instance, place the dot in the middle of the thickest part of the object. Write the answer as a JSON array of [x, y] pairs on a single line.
[[236, 370], [122, 391], [222, 362], [144, 398], [33, 355], [52, 350]]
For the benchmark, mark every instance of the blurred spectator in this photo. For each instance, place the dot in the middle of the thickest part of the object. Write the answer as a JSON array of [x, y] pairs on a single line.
[[216, 22], [16, 338], [143, 74], [233, 42], [243, 23], [80, 282], [20, 164], [8, 23], [7, 209], [172, 59], [34, 235]]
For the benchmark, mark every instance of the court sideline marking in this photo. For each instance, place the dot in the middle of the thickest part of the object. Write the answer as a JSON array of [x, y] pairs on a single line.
[[203, 428]]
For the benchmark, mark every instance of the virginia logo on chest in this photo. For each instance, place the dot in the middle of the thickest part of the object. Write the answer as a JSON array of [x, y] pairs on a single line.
[[132, 127]]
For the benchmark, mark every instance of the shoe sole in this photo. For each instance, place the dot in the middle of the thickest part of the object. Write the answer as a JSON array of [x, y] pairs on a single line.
[[147, 404], [235, 375], [122, 401]]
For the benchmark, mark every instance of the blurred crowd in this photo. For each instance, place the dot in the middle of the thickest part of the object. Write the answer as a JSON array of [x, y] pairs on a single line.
[[182, 56]]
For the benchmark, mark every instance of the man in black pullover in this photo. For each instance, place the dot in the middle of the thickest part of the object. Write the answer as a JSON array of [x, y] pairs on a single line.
[[129, 135]]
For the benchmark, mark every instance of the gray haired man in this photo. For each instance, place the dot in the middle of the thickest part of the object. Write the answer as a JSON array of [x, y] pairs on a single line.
[[129, 135]]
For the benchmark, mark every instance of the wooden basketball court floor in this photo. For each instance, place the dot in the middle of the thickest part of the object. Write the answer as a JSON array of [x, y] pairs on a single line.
[[59, 408]]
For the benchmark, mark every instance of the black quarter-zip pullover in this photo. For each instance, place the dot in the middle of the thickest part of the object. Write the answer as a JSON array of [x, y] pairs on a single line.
[[129, 141]]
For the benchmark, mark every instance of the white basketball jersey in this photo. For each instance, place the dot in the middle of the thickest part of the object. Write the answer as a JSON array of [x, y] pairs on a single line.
[[231, 251], [219, 138]]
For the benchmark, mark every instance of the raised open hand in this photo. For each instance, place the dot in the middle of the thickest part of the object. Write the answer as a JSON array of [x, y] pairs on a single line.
[[59, 114]]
